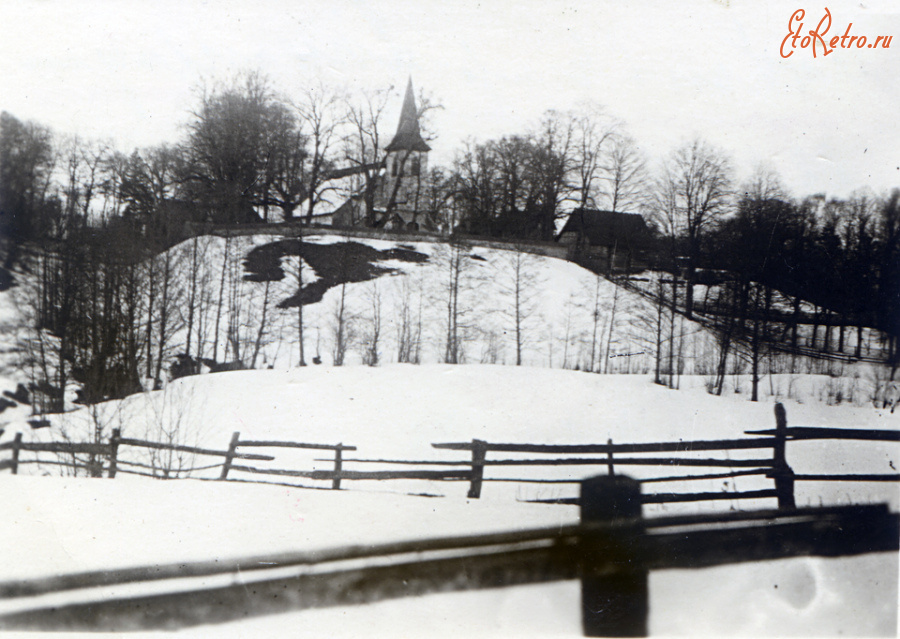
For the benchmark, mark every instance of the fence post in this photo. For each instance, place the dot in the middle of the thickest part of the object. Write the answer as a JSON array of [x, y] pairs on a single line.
[[784, 476], [114, 451], [15, 454], [479, 448], [232, 448], [338, 466], [614, 587], [609, 456]]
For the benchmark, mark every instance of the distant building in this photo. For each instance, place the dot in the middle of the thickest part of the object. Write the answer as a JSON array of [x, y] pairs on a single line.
[[612, 240], [400, 189]]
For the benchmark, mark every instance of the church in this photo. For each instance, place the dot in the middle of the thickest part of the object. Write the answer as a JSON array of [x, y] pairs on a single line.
[[392, 195]]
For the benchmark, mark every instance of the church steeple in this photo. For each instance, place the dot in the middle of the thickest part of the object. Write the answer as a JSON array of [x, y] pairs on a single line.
[[408, 136]]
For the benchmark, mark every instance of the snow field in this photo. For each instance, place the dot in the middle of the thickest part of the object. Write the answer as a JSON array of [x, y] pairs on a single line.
[[61, 526], [397, 412]]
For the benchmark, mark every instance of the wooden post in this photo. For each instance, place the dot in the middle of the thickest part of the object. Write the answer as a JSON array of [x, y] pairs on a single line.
[[784, 476], [232, 448], [614, 588], [479, 449], [338, 466], [609, 456], [114, 451], [15, 454]]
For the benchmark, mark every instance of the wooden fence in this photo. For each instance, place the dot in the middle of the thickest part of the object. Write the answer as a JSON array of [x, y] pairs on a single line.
[[104, 458], [611, 552], [98, 453], [680, 454]]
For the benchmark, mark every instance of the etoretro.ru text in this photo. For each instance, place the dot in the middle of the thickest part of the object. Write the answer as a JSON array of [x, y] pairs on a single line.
[[818, 41]]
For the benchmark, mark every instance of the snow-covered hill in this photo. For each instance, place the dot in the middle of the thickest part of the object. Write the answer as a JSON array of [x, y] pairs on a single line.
[[61, 524], [411, 283], [237, 300]]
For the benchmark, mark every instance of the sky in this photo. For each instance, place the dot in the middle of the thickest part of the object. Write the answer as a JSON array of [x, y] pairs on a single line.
[[128, 71]]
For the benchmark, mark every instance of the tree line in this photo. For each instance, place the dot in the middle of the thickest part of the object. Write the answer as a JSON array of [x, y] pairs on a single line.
[[786, 265], [103, 219]]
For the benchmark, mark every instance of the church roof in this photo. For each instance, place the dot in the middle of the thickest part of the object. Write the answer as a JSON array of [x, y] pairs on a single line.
[[408, 136]]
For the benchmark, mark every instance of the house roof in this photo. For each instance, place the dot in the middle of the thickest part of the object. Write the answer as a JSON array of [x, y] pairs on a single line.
[[607, 228], [408, 136]]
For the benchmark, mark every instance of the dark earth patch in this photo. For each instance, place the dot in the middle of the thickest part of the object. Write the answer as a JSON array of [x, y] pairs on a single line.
[[6, 279], [335, 264], [20, 395]]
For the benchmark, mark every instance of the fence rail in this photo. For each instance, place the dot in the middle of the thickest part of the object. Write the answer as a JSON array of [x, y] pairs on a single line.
[[611, 552], [817, 432], [658, 447]]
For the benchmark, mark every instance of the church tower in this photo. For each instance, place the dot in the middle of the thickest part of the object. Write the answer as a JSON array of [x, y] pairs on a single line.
[[406, 163]]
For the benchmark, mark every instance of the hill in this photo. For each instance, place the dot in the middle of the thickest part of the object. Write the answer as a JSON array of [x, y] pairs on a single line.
[[227, 303], [416, 295]]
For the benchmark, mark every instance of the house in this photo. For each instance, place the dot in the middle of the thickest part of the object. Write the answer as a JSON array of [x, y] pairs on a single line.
[[607, 239], [398, 194]]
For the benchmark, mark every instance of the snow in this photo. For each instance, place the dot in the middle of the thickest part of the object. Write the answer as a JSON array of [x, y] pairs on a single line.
[[60, 525], [399, 411], [55, 525]]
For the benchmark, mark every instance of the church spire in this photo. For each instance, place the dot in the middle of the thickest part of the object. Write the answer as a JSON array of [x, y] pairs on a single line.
[[408, 136]]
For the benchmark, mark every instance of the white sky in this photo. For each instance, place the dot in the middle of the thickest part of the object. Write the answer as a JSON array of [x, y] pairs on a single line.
[[126, 70]]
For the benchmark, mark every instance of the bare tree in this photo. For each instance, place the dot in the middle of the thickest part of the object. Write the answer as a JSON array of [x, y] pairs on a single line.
[[408, 318], [624, 174], [263, 326], [343, 327], [612, 325], [171, 419], [198, 293], [571, 306], [371, 333], [519, 285], [320, 113], [363, 147], [221, 297], [26, 167], [692, 194], [593, 130], [594, 306], [459, 274], [227, 147]]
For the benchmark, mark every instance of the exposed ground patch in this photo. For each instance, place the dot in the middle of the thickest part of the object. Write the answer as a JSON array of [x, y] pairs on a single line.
[[6, 279], [335, 264]]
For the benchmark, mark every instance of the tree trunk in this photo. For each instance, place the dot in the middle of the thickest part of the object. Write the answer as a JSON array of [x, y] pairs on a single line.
[[659, 330], [150, 293], [221, 300], [192, 296], [795, 320], [163, 316], [859, 338], [612, 323], [262, 326], [689, 290], [302, 361]]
